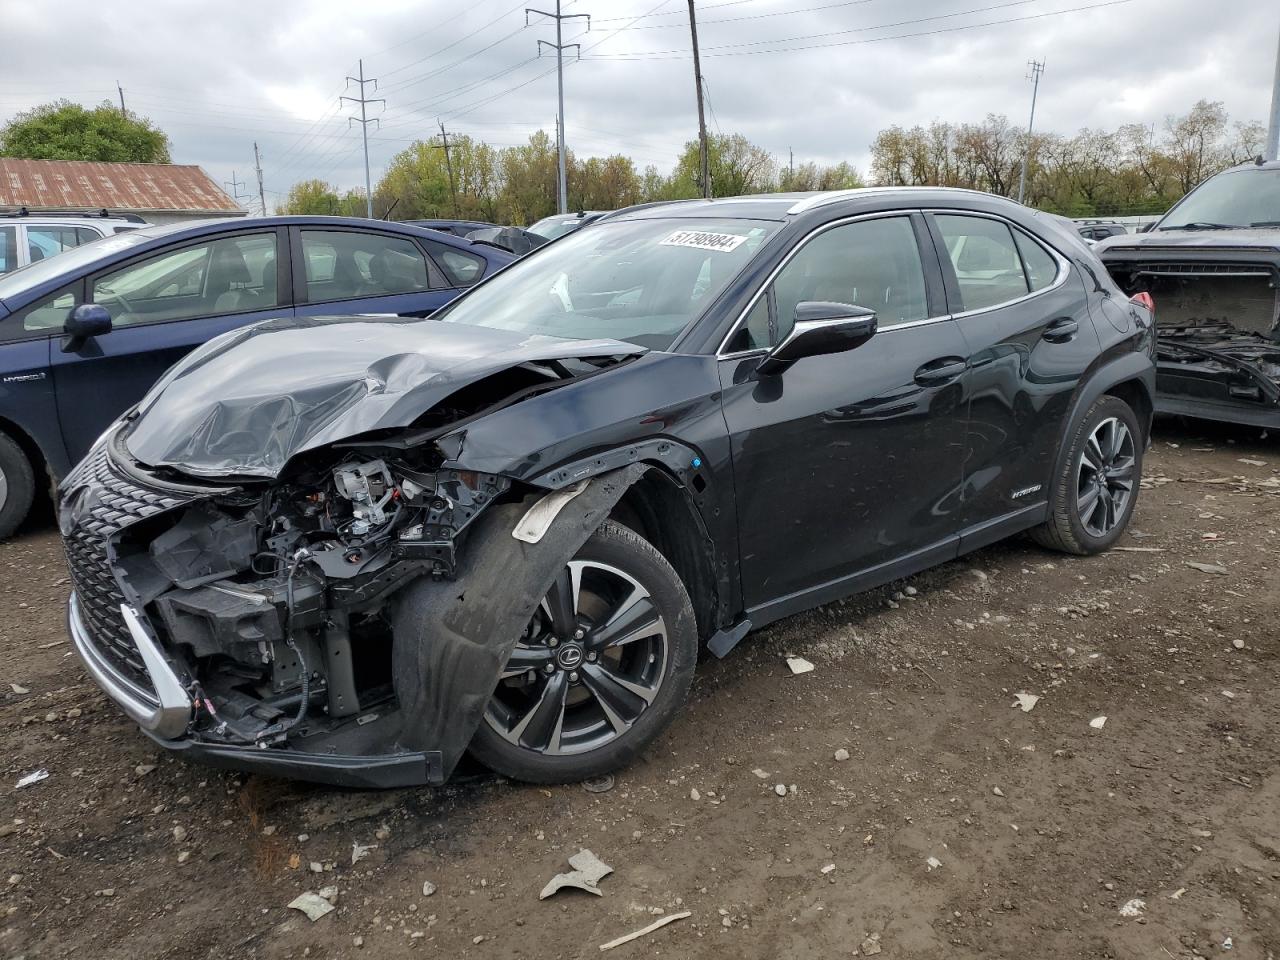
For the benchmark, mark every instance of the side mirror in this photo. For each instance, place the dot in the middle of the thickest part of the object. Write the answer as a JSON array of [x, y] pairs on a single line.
[[84, 321], [820, 327]]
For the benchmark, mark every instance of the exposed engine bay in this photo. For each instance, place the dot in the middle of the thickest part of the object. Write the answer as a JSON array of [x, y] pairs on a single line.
[[274, 597], [1218, 327]]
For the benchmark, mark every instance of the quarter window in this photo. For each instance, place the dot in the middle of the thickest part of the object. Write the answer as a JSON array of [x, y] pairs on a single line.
[[229, 275], [461, 268], [986, 261], [343, 265], [44, 316]]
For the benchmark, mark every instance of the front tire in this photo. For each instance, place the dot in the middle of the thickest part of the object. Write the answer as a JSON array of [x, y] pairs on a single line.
[[17, 486], [602, 669], [1094, 495]]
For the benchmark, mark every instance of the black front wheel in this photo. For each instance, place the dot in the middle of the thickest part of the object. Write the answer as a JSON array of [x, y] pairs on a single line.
[[602, 668], [17, 486], [1094, 494]]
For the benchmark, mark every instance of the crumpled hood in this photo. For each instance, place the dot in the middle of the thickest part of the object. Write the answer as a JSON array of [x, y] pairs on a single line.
[[1262, 239], [247, 402]]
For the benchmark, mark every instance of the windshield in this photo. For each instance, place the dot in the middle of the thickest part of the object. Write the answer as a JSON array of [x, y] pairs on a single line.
[[13, 285], [1237, 198], [552, 227], [636, 280]]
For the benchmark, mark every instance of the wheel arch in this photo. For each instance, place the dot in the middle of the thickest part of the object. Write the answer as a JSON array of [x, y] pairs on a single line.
[[662, 510], [31, 449], [1130, 377]]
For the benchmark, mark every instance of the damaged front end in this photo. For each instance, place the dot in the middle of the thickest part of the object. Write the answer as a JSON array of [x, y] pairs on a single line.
[[238, 545], [1218, 327], [256, 616]]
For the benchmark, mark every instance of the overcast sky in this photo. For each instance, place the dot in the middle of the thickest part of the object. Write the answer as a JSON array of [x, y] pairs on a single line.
[[819, 77]]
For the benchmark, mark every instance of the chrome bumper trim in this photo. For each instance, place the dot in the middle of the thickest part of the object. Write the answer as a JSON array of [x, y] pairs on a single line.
[[165, 713]]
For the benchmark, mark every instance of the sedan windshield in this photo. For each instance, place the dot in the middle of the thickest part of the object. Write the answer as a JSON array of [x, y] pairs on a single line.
[[641, 281], [1249, 197]]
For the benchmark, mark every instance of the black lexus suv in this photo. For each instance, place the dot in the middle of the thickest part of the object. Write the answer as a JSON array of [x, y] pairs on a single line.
[[350, 549]]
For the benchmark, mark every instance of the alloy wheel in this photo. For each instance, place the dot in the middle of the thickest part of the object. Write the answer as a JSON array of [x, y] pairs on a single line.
[[1105, 477], [591, 661]]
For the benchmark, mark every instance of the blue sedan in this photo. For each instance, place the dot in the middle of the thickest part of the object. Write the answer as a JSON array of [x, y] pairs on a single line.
[[84, 335]]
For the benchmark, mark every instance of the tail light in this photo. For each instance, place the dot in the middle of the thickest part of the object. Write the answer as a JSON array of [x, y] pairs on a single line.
[[1144, 299]]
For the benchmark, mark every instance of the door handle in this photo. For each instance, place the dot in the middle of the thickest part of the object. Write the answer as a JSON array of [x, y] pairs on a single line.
[[1061, 330], [940, 371]]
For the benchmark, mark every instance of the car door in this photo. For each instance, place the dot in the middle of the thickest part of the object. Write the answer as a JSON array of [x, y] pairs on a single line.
[[342, 271], [847, 467], [163, 305], [1024, 315]]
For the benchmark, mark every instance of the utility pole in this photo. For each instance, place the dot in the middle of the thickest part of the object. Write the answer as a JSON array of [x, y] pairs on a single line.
[[1034, 69], [791, 169], [562, 187], [704, 153], [257, 163], [1273, 130], [364, 120], [123, 111], [448, 162]]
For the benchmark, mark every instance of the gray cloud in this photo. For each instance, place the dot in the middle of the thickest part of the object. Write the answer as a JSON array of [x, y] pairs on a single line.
[[219, 78]]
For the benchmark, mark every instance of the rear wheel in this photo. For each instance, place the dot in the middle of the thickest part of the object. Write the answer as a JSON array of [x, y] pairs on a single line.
[[602, 668], [1094, 495], [17, 486]]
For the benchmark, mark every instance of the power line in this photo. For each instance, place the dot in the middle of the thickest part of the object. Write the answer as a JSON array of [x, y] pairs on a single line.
[[562, 194], [681, 55], [364, 120]]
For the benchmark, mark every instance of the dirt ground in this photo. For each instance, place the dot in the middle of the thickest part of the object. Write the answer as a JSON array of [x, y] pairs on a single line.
[[958, 826]]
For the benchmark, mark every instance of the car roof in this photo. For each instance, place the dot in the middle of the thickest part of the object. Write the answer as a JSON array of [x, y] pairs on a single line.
[[783, 206]]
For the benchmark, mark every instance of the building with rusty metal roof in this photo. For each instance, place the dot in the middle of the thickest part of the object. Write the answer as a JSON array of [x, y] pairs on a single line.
[[159, 192]]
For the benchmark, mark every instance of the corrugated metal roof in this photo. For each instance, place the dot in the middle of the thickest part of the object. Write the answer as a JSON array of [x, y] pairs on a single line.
[[81, 185]]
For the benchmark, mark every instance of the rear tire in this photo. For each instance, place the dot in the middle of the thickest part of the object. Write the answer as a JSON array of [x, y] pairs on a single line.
[[629, 627], [1094, 495], [17, 486]]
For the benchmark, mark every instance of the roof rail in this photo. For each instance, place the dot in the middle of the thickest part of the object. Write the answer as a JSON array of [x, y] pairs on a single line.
[[78, 214]]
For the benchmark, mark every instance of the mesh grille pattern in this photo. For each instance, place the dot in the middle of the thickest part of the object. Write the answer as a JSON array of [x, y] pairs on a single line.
[[116, 503]]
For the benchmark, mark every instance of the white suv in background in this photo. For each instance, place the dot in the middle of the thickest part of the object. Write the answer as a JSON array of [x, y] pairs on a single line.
[[28, 237]]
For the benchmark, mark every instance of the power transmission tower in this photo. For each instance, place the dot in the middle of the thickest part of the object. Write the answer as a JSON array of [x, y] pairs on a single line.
[[448, 162], [562, 187], [1034, 69], [704, 153], [364, 120], [1273, 130], [123, 111], [257, 164]]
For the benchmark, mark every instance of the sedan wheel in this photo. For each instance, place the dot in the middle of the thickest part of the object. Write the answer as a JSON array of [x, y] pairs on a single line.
[[600, 670]]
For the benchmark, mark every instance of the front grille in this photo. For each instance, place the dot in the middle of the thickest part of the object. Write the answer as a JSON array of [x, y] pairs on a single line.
[[114, 503]]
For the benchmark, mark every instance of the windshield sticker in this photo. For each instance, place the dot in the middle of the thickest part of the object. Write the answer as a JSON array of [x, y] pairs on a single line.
[[703, 240]]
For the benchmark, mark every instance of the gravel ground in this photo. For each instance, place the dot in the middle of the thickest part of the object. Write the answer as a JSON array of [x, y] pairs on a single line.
[[953, 825]]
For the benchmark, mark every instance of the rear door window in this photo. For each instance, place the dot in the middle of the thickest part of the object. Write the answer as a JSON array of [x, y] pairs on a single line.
[[1042, 268], [987, 265], [347, 265], [50, 241]]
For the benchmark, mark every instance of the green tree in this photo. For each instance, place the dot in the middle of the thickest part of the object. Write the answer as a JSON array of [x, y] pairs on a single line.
[[67, 131], [737, 166], [317, 198]]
